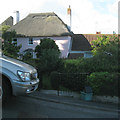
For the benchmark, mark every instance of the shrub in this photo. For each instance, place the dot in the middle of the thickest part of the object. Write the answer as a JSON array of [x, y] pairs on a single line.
[[27, 56], [46, 84], [102, 63], [104, 83], [48, 55], [9, 48], [49, 60], [46, 44]]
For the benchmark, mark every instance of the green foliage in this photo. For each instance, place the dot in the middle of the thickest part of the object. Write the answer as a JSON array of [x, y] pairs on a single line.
[[103, 66], [106, 44], [104, 83], [27, 56], [11, 50], [105, 50], [48, 54], [49, 60], [4, 28], [87, 65], [102, 61], [8, 47], [45, 44], [46, 82], [55, 80]]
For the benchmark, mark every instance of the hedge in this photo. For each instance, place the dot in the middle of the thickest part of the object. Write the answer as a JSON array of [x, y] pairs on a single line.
[[86, 65], [104, 83]]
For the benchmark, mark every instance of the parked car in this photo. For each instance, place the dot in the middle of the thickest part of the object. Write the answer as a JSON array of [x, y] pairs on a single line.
[[17, 78]]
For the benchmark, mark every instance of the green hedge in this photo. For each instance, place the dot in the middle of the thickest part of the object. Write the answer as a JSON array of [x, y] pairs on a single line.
[[104, 83], [86, 65]]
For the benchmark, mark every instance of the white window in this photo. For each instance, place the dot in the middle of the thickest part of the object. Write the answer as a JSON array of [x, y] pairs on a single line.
[[14, 41], [88, 55], [30, 41]]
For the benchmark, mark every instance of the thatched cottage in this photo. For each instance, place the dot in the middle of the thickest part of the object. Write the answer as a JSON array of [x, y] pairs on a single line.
[[37, 26]]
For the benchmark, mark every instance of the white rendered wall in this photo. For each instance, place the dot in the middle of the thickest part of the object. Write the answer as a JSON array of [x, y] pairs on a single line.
[[62, 42]]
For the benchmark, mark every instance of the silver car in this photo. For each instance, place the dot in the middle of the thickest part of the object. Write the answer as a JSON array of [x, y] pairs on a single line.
[[18, 78]]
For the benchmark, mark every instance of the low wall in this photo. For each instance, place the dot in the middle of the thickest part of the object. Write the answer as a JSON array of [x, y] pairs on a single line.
[[107, 99], [103, 99]]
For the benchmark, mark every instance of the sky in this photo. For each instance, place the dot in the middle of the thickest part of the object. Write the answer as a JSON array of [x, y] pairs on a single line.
[[88, 16]]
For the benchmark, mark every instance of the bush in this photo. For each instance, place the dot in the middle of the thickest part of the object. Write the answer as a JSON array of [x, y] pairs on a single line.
[[46, 44], [48, 55], [46, 84], [104, 83], [102, 63], [27, 56], [8, 47]]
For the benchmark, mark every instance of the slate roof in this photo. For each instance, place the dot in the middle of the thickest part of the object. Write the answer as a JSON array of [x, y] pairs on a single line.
[[40, 25], [82, 42]]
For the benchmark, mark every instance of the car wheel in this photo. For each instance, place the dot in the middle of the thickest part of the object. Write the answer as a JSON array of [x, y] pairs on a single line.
[[6, 92]]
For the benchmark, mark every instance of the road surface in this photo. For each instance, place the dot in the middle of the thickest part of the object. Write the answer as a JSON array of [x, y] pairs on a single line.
[[26, 107]]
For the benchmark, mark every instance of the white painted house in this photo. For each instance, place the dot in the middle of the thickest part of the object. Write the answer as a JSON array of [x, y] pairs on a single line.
[[37, 26]]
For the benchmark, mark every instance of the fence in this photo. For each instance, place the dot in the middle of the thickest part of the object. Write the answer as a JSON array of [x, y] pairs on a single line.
[[69, 81]]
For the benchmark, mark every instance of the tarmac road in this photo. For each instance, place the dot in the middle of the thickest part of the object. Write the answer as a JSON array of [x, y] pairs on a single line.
[[27, 107]]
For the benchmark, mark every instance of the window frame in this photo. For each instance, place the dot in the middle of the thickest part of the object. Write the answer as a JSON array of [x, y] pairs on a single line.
[[14, 41], [30, 42]]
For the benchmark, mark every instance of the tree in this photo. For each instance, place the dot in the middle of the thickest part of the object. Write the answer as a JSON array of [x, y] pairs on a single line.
[[9, 49], [46, 44], [105, 51], [4, 28], [106, 45], [48, 54], [47, 57]]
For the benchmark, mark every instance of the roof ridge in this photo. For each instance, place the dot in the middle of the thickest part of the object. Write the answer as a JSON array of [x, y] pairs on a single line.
[[46, 13], [95, 34]]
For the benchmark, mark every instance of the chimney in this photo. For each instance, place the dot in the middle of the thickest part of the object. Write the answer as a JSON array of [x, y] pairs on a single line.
[[69, 15], [98, 32], [17, 16], [114, 32]]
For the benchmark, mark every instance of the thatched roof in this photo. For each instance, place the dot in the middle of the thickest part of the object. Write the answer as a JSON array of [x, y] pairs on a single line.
[[41, 24], [8, 21]]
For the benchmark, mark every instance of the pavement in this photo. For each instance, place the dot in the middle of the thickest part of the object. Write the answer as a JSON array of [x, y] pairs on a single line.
[[52, 96]]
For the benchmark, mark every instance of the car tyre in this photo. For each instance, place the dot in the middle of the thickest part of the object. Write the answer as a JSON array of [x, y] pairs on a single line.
[[6, 92]]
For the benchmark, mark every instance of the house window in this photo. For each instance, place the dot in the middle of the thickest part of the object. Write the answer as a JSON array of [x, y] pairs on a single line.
[[14, 41], [30, 41]]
